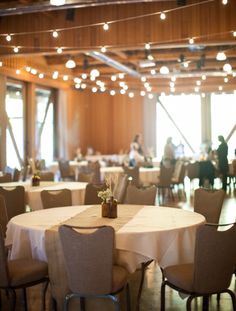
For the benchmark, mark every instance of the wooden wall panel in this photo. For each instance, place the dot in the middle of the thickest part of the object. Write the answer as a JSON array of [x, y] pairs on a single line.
[[178, 26], [101, 121]]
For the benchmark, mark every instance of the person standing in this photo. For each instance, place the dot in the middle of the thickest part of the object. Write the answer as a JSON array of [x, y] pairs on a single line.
[[223, 166]]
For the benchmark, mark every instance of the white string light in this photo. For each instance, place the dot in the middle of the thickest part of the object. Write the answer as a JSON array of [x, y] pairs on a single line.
[[105, 26], [55, 34], [162, 16], [8, 38]]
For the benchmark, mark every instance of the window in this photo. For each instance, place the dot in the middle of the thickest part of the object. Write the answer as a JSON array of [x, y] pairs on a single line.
[[14, 106], [44, 124], [223, 120], [185, 112]]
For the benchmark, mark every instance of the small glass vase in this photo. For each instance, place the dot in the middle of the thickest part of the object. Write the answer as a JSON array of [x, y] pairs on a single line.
[[109, 208], [35, 181]]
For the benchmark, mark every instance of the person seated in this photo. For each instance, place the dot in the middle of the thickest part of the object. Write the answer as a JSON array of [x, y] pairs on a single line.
[[135, 157]]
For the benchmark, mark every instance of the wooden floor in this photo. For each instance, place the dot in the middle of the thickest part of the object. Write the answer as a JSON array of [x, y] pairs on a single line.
[[150, 300]]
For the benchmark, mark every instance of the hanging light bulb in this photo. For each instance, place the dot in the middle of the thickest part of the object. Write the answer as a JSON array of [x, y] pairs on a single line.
[[164, 70], [57, 2], [55, 34], [8, 38], [221, 56], [59, 50], [191, 41], [105, 26], [70, 64], [163, 16], [16, 49], [94, 73], [227, 68], [103, 49]]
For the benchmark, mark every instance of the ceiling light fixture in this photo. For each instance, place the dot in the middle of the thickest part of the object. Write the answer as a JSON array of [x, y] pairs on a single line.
[[55, 34], [191, 41], [8, 38], [70, 64], [227, 68], [105, 26], [164, 70], [163, 16], [221, 56], [57, 2]]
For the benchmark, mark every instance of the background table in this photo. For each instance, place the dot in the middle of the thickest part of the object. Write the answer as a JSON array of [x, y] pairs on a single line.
[[33, 198], [147, 175]]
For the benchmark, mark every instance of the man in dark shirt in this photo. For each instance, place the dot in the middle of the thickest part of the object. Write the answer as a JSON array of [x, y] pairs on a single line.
[[223, 165]]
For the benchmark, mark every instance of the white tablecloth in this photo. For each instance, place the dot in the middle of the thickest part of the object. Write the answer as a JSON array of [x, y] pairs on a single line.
[[54, 167], [33, 198], [147, 175], [164, 234]]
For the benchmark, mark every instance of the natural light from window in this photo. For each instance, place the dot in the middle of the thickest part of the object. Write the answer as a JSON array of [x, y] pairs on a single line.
[[185, 110]]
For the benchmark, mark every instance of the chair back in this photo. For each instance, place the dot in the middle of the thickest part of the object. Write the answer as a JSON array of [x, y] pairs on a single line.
[[94, 167], [193, 170], [120, 188], [46, 176], [65, 169], [133, 174], [209, 203], [138, 196], [179, 172], [166, 174], [4, 279], [16, 175], [3, 215], [14, 200], [214, 261], [56, 198], [88, 254], [91, 193], [85, 177], [7, 177]]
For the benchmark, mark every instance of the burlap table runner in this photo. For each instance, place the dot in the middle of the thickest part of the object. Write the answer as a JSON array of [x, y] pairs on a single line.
[[89, 217]]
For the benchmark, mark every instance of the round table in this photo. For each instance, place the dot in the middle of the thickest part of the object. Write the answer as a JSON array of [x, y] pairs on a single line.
[[143, 233]]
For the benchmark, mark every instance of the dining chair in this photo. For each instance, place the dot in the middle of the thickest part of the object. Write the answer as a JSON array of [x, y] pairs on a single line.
[[91, 193], [3, 216], [177, 179], [21, 274], [66, 173], [16, 175], [120, 188], [133, 175], [89, 263], [85, 177], [193, 169], [164, 183], [14, 200], [7, 177], [211, 270], [209, 203], [56, 198], [139, 196], [46, 176]]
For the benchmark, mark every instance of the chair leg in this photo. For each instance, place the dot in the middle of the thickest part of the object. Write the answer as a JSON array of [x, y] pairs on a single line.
[[233, 298], [45, 287], [115, 301], [25, 299], [53, 304], [66, 302], [13, 299], [143, 268], [82, 303], [163, 296], [128, 302], [188, 304], [205, 303]]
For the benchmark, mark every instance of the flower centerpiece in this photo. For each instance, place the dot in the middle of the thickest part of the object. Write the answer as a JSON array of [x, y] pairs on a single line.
[[109, 204], [35, 180]]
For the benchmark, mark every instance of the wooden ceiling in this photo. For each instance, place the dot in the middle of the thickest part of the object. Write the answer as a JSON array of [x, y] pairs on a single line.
[[132, 24]]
